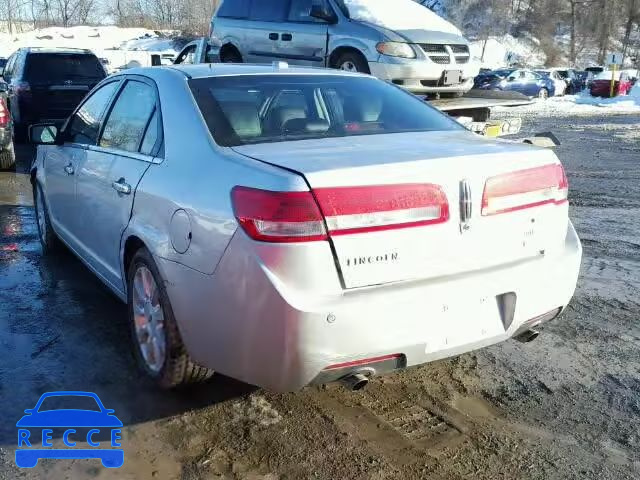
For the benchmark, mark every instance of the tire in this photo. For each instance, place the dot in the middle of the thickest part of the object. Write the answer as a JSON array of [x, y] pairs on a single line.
[[230, 55], [352, 62], [48, 239], [157, 346], [543, 94], [8, 157]]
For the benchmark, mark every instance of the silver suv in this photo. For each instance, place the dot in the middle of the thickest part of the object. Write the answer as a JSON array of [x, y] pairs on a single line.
[[401, 41]]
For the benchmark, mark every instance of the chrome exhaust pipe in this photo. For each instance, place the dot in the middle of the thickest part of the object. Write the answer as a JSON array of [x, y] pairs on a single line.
[[355, 382], [528, 336]]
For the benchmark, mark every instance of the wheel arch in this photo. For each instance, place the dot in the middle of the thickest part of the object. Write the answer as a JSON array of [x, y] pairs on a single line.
[[230, 46], [342, 49]]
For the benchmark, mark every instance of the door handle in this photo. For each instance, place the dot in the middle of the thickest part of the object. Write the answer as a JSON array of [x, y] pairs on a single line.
[[121, 187], [69, 169], [287, 37], [274, 36]]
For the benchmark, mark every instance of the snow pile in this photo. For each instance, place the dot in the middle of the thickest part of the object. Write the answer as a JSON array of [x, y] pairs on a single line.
[[581, 104], [507, 50], [121, 47], [398, 15]]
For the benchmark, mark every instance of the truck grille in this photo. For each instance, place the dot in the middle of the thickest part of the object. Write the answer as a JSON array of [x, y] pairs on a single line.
[[446, 54]]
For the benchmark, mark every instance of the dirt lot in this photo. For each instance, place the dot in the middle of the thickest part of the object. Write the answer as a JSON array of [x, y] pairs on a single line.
[[565, 406]]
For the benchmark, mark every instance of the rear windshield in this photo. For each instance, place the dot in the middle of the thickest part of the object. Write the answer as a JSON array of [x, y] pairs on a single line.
[[251, 109], [54, 67]]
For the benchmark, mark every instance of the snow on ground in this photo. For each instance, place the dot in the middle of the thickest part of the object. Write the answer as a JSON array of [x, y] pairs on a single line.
[[121, 46], [507, 50], [581, 104]]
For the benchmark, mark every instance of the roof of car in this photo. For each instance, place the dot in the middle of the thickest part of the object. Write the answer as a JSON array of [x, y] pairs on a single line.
[[230, 69], [57, 50]]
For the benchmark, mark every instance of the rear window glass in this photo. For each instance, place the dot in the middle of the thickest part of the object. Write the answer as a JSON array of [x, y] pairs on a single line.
[[276, 108], [269, 11], [55, 67], [234, 9]]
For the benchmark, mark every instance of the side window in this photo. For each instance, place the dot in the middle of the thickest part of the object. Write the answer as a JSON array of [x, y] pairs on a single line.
[[186, 56], [151, 136], [268, 11], [129, 118], [8, 69], [301, 9], [234, 9], [85, 124]]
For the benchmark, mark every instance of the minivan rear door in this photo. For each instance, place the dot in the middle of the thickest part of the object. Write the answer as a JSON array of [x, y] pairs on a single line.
[[304, 38], [262, 30]]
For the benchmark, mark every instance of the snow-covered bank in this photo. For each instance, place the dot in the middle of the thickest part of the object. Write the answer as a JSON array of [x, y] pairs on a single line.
[[121, 46], [507, 50], [582, 104]]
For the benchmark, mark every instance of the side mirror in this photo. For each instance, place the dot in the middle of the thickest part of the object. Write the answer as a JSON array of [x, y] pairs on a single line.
[[4, 87], [324, 13], [29, 411], [1, 71], [43, 134], [156, 60]]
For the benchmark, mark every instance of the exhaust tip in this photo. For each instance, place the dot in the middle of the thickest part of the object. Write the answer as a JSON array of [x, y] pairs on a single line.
[[528, 336], [355, 382]]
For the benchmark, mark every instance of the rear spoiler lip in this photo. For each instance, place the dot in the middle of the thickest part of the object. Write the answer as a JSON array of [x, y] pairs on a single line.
[[543, 140]]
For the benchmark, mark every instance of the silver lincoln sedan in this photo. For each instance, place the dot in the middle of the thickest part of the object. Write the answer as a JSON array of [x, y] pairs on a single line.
[[289, 227]]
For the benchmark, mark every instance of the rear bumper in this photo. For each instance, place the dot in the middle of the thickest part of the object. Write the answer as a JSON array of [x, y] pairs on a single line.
[[422, 76], [246, 324]]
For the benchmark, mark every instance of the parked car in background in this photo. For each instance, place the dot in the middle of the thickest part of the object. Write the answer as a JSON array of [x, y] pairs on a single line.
[[524, 81], [601, 84], [573, 81], [401, 42], [202, 50], [595, 70], [558, 81], [585, 79], [47, 84], [301, 226], [7, 153]]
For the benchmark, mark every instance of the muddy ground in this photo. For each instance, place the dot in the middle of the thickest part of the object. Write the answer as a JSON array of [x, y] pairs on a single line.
[[566, 406]]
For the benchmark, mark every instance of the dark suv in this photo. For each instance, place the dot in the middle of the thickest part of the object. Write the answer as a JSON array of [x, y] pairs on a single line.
[[48, 84]]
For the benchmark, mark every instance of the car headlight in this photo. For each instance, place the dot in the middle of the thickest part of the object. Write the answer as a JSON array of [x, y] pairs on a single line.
[[396, 49]]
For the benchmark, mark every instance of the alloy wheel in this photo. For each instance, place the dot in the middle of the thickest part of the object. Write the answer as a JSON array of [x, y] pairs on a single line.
[[149, 319]]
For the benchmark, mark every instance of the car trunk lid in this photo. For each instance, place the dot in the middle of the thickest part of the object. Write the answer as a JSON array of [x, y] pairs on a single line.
[[478, 233]]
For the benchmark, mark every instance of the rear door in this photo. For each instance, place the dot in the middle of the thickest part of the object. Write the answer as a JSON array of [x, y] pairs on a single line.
[[108, 177], [263, 30], [62, 162], [59, 82], [304, 39]]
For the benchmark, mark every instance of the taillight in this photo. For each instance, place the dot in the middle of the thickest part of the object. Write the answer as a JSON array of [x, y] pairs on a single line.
[[4, 113], [522, 189], [278, 216], [301, 216], [349, 210]]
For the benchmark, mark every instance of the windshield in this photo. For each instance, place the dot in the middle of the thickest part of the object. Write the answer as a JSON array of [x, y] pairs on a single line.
[[276, 108], [56, 67], [398, 15]]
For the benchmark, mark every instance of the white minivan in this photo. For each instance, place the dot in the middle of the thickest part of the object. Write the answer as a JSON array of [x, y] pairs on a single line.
[[399, 41]]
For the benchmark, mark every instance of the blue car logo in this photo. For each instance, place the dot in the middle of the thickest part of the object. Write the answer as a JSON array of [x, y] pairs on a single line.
[[32, 447]]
